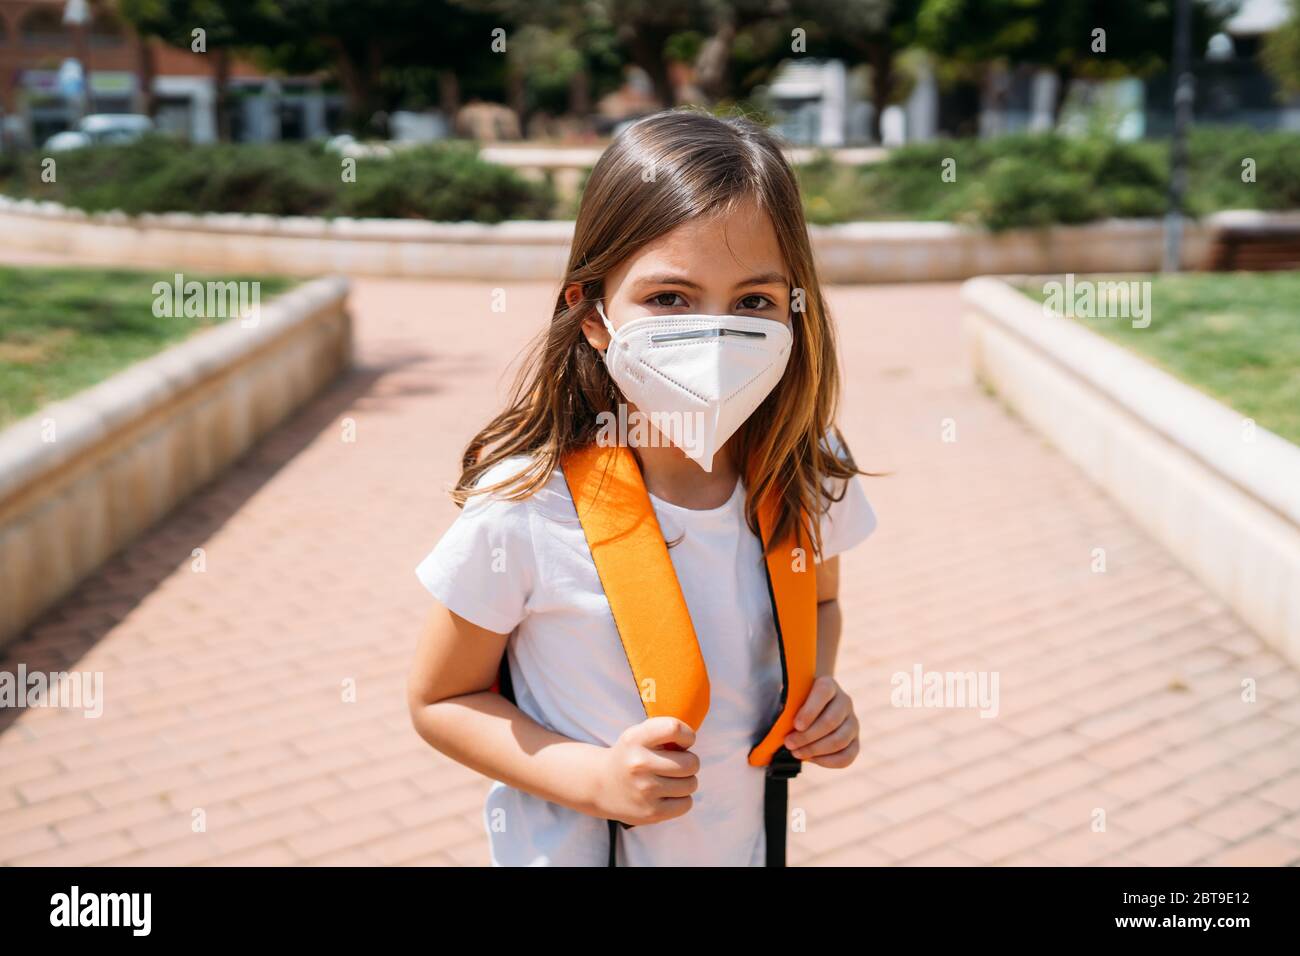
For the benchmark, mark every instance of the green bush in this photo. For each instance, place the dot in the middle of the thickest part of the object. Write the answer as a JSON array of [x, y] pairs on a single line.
[[1026, 180], [1216, 170], [1021, 180], [450, 183], [1019, 192], [156, 174]]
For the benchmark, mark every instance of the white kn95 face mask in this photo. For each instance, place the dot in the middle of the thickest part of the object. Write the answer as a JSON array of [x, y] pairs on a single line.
[[697, 377]]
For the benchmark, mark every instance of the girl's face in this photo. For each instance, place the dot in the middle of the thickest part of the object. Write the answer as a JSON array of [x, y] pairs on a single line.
[[729, 264]]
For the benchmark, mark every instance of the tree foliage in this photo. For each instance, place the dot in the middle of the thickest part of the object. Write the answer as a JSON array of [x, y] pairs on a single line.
[[1281, 53]]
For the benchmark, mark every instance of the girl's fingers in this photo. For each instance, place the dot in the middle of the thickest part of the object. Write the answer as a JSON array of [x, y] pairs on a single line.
[[673, 787], [822, 693], [673, 807], [835, 713], [836, 739], [841, 758], [672, 763]]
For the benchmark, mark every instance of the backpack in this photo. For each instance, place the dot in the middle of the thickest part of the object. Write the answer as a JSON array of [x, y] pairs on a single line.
[[631, 558]]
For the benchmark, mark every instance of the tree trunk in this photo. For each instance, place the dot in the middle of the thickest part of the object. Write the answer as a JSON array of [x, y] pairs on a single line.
[[449, 95], [517, 96], [146, 70], [221, 82], [376, 112], [711, 65], [580, 92], [355, 85], [993, 98], [880, 56], [647, 49], [1064, 77], [9, 137]]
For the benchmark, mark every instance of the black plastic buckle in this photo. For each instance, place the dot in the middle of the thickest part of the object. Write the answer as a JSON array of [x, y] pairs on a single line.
[[784, 765]]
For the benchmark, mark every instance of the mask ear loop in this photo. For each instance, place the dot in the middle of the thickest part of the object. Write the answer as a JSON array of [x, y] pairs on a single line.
[[603, 318]]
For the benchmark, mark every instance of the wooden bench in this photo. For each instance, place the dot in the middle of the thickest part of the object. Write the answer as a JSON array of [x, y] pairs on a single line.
[[1256, 248]]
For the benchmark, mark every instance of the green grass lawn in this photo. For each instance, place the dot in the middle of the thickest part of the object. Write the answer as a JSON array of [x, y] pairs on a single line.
[[1235, 336], [62, 330]]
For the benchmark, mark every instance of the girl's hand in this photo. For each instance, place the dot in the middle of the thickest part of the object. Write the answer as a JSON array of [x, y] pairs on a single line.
[[825, 728], [649, 773]]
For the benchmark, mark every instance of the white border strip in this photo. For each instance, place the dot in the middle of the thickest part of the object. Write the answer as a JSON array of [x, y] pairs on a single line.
[[95, 413], [1267, 468], [519, 250]]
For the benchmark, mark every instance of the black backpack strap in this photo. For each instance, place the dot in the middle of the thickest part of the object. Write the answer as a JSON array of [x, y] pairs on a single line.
[[776, 790], [776, 803], [505, 687]]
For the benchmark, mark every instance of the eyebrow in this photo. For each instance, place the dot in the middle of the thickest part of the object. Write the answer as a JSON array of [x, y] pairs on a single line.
[[669, 278], [764, 279]]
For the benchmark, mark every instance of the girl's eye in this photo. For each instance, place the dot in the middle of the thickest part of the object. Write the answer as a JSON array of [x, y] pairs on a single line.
[[667, 300], [755, 302]]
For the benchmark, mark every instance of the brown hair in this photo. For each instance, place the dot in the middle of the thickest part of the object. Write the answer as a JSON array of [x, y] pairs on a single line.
[[702, 166]]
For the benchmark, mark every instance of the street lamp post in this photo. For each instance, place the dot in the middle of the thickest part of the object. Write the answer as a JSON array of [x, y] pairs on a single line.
[[76, 14], [1184, 92]]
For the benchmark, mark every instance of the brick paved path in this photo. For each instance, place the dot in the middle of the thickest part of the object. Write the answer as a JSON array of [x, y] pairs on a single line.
[[1120, 692]]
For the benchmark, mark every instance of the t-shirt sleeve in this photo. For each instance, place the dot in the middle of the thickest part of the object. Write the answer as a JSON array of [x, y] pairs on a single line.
[[482, 568], [850, 520]]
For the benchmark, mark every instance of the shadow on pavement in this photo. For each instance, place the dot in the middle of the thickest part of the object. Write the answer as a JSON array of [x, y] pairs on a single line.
[[66, 632]]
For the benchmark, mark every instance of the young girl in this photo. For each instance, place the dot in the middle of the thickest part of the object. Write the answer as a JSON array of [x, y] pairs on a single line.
[[690, 326]]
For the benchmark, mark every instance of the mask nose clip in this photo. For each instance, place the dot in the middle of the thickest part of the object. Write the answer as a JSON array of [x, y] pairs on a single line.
[[717, 333], [707, 334]]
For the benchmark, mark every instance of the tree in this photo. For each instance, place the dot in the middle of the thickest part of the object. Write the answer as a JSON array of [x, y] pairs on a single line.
[[863, 31], [370, 45], [227, 26], [728, 21], [1097, 39], [1281, 53], [652, 33], [375, 48], [552, 49], [646, 27]]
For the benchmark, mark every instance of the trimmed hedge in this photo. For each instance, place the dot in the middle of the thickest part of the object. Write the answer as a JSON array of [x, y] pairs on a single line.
[[446, 182], [1012, 181], [1041, 179]]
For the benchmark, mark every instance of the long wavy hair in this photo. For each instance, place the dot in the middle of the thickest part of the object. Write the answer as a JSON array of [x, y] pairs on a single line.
[[702, 166]]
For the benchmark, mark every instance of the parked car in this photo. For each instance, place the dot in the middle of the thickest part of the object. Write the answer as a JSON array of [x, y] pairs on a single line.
[[102, 128], [345, 144], [68, 139]]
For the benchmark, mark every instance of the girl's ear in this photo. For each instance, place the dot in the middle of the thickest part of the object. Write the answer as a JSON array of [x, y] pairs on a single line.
[[592, 328]]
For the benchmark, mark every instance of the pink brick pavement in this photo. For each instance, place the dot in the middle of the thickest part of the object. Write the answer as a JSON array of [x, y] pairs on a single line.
[[1120, 692]]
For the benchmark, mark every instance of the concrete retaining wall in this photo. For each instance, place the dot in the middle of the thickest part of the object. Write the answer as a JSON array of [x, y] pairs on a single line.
[[124, 452], [1222, 495], [514, 251]]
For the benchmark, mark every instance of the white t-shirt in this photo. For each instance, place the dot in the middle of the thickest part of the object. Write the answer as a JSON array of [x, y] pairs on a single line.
[[523, 568]]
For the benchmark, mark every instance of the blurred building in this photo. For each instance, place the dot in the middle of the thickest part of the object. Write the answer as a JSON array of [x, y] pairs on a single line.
[[815, 105], [821, 103], [36, 42], [1231, 85], [1231, 88]]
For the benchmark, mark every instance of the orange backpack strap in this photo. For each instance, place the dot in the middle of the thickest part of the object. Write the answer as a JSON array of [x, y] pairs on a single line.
[[639, 581], [654, 624], [792, 586]]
